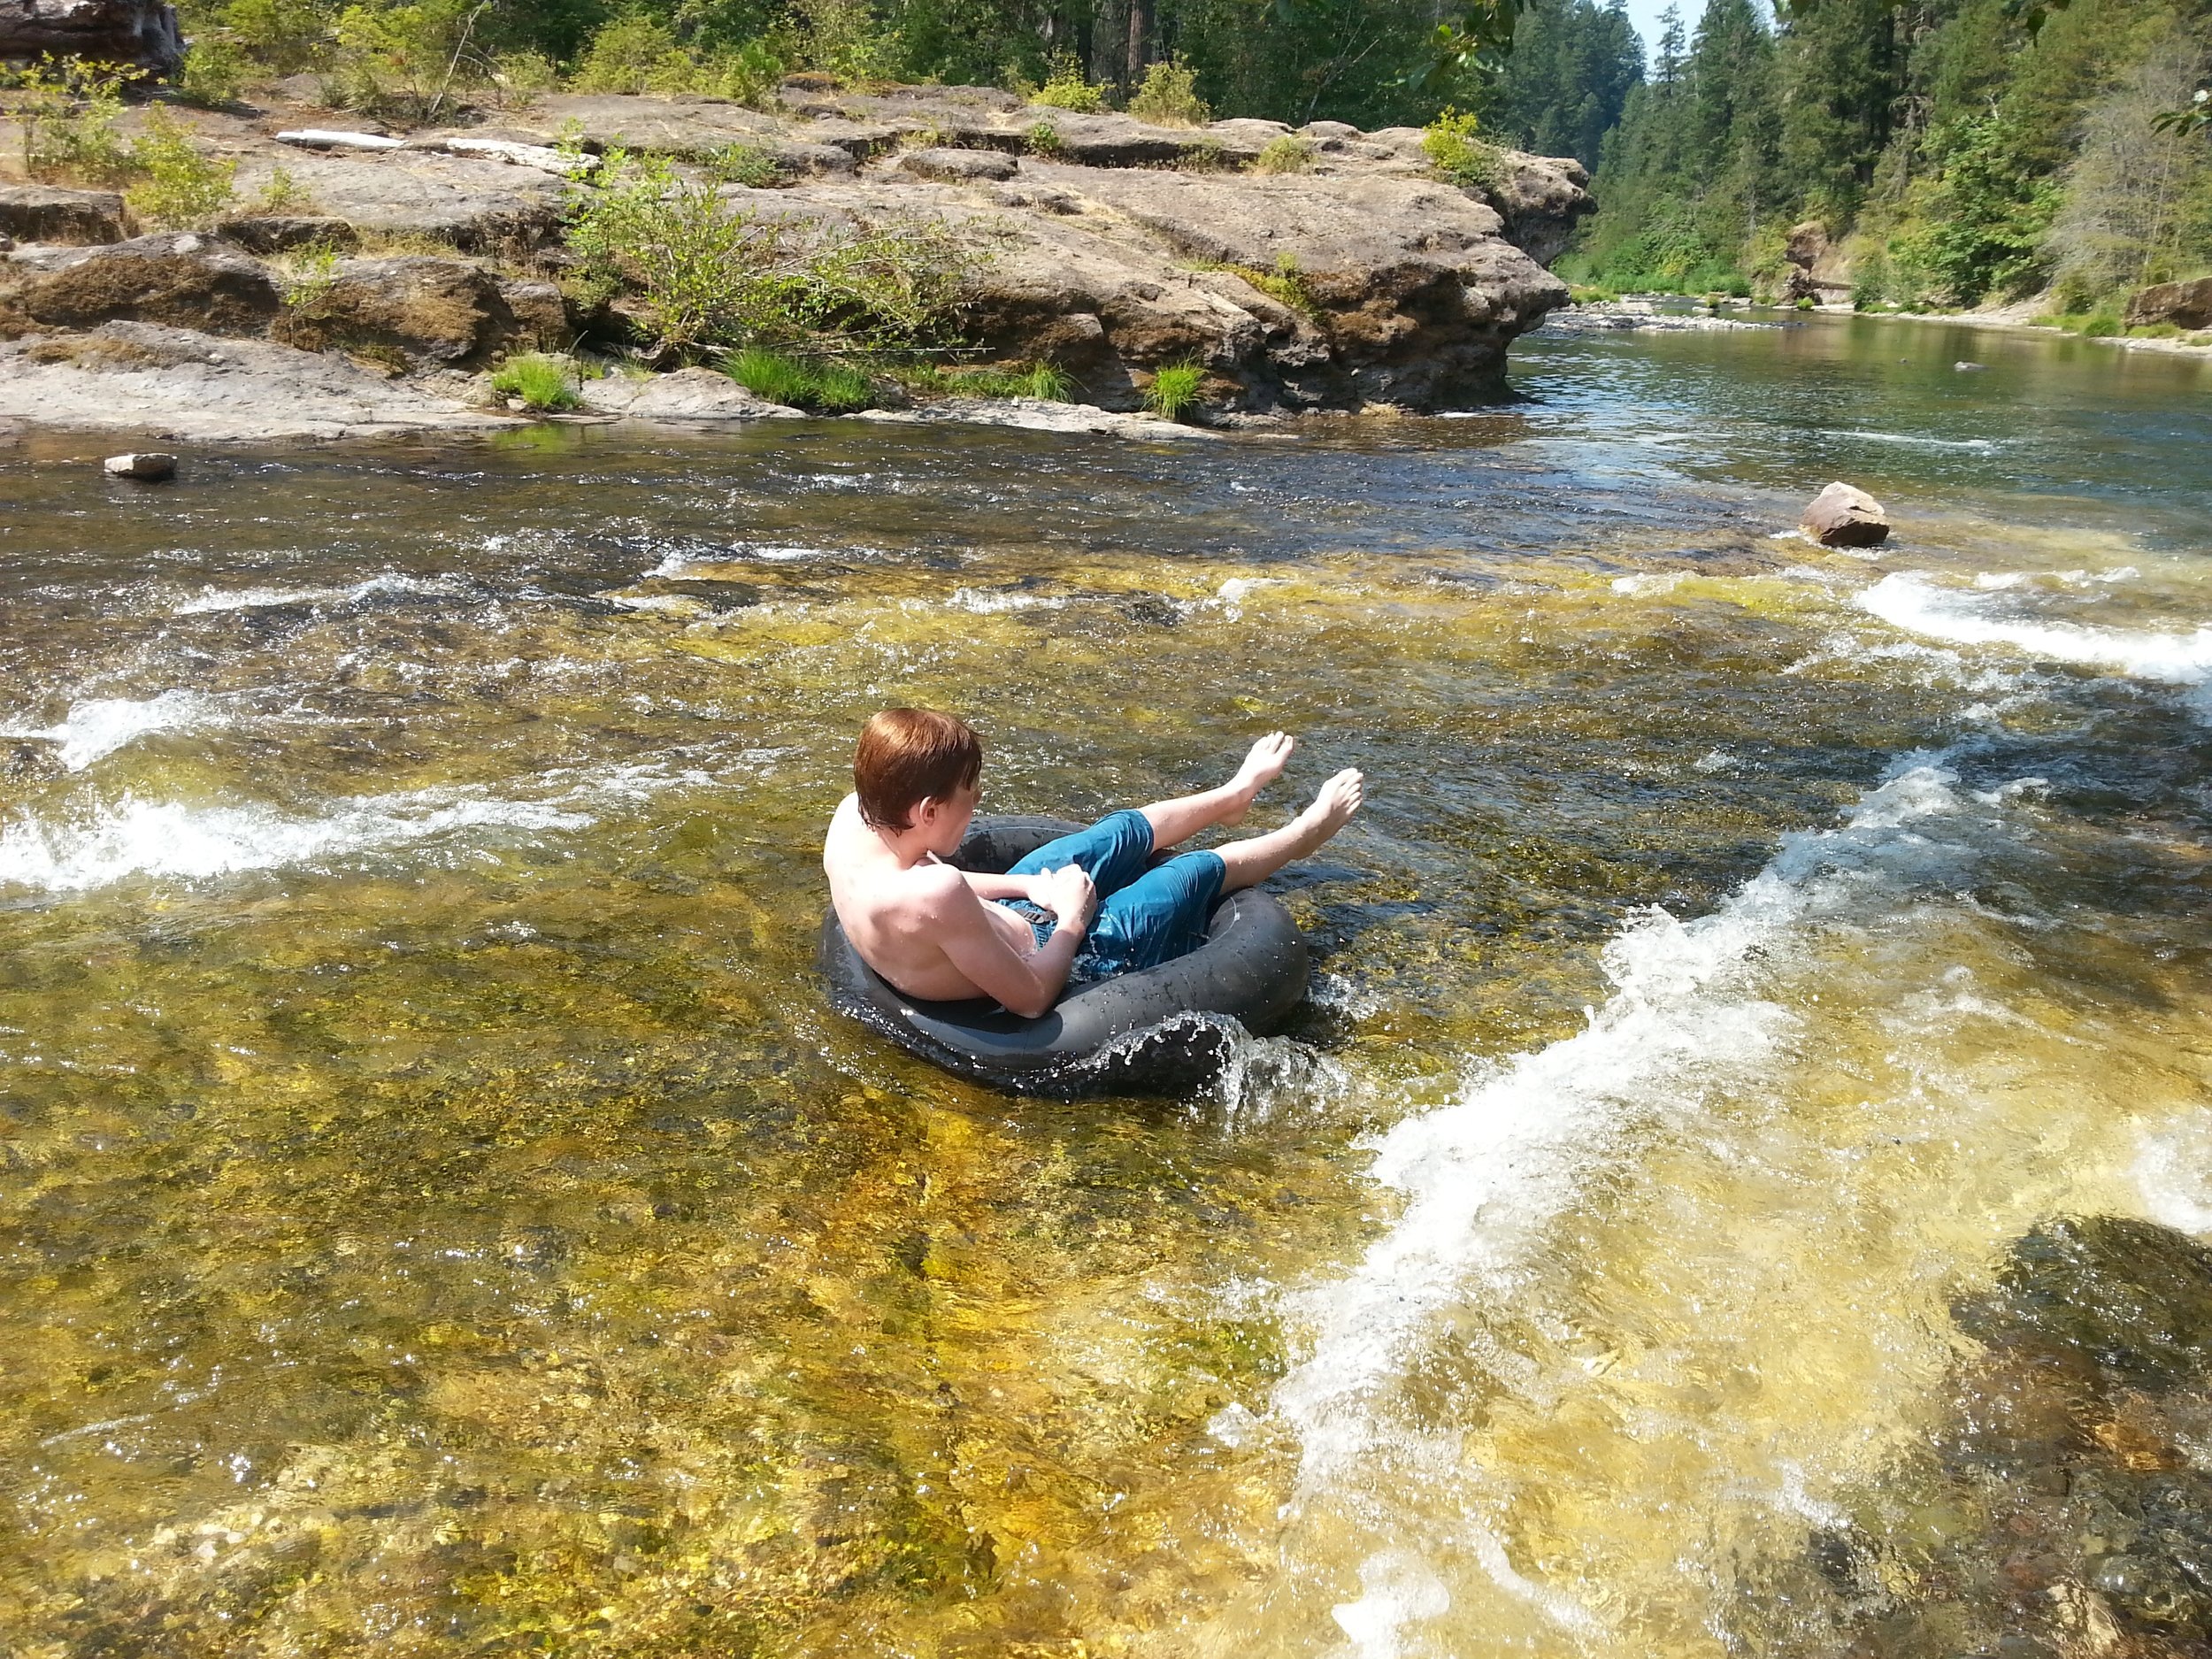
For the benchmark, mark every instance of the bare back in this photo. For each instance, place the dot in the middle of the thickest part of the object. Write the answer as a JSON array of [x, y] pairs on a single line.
[[910, 921]]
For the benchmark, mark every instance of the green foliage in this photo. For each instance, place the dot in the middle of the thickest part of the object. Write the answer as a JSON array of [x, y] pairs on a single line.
[[744, 164], [306, 276], [407, 61], [1457, 154], [542, 380], [1044, 139], [1287, 154], [287, 36], [1040, 380], [1573, 65], [1286, 283], [1983, 217], [640, 52], [828, 387], [180, 187], [1174, 389], [1168, 96], [215, 71], [67, 111], [711, 274], [1065, 89]]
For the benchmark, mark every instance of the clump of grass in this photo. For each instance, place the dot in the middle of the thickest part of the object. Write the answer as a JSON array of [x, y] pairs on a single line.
[[180, 187], [1168, 96], [543, 381], [1174, 389], [1065, 89], [1285, 284], [306, 276], [1583, 294], [1459, 155], [825, 387], [2102, 326], [284, 194], [1044, 381], [1287, 154], [1205, 155]]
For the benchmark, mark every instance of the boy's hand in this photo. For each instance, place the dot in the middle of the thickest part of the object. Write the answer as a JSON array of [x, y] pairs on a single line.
[[1068, 893]]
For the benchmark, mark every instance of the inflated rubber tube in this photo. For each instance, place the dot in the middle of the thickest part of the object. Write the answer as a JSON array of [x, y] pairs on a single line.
[[1161, 1031]]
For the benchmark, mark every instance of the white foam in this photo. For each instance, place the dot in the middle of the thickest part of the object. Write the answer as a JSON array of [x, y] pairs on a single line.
[[98, 726], [1913, 440], [2173, 1172], [171, 841], [983, 604], [1484, 1175], [1910, 601], [1643, 585], [211, 598], [742, 552]]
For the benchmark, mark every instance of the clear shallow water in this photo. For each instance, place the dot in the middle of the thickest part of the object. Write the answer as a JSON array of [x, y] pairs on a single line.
[[439, 1216]]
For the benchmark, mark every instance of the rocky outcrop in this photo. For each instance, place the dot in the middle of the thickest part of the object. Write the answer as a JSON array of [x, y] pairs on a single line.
[[182, 278], [184, 385], [1105, 245], [141, 32], [688, 394], [42, 212], [2183, 305], [1815, 266]]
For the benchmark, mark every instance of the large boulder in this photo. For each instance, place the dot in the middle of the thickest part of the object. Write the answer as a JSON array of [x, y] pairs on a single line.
[[959, 166], [2183, 305], [179, 277], [687, 394], [1844, 516], [420, 312], [44, 212], [141, 32], [421, 196]]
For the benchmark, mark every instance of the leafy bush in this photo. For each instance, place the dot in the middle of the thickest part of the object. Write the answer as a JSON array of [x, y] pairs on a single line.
[[1170, 96], [404, 61], [639, 53], [1174, 388], [182, 187], [542, 380], [287, 35], [713, 273], [827, 387], [1287, 154], [215, 71], [2103, 326], [306, 275], [1459, 155], [744, 164], [1045, 140], [67, 116], [282, 193], [1064, 87], [520, 78]]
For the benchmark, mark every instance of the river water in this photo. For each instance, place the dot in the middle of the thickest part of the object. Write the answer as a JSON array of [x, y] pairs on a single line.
[[439, 1214]]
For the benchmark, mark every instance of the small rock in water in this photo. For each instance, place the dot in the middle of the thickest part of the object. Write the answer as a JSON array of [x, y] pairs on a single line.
[[151, 466], [1841, 515], [1962, 366]]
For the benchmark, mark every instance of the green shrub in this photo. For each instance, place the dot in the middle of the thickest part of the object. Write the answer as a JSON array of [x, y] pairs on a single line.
[[521, 78], [713, 273], [543, 381], [1064, 87], [1041, 381], [2101, 326], [405, 61], [1170, 96], [635, 53], [1287, 154], [1458, 155], [1044, 139], [744, 164], [306, 275], [287, 35], [215, 71], [1174, 388], [2157, 331], [282, 193], [67, 114], [825, 387], [181, 187]]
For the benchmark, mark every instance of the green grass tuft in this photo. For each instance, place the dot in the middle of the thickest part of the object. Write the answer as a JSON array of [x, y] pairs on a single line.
[[1174, 388], [543, 381], [827, 388], [1040, 381]]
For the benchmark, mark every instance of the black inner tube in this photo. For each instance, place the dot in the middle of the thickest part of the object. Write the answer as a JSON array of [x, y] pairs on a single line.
[[1162, 1030]]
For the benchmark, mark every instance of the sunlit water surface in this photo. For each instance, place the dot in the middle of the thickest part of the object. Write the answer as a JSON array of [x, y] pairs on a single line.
[[439, 1214]]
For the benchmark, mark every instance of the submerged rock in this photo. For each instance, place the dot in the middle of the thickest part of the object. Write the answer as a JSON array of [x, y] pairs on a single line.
[[1844, 516], [687, 394], [151, 465]]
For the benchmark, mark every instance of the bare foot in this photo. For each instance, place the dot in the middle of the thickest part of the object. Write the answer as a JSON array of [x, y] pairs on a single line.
[[1261, 768], [1332, 810]]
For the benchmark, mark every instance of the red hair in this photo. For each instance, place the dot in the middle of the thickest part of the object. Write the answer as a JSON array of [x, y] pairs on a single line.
[[909, 755]]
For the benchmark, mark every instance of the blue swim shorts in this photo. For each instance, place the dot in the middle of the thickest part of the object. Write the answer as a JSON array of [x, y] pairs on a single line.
[[1144, 917]]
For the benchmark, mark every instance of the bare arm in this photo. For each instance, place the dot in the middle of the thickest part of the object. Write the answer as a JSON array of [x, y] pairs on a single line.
[[988, 887], [1027, 986]]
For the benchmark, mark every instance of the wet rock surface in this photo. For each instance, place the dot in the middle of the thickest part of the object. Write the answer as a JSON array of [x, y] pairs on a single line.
[[1844, 516], [2066, 1506]]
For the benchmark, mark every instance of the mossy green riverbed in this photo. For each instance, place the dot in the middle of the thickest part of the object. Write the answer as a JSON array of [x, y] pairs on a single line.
[[439, 1214]]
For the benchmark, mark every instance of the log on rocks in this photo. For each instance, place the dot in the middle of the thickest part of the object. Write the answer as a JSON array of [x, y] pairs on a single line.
[[2183, 305], [43, 213], [1843, 516], [141, 33]]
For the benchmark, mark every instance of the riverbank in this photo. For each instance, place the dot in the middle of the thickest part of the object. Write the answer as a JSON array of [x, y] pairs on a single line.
[[1680, 313], [372, 277]]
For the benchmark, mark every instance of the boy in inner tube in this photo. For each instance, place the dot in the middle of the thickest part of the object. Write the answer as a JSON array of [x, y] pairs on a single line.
[[1088, 905]]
